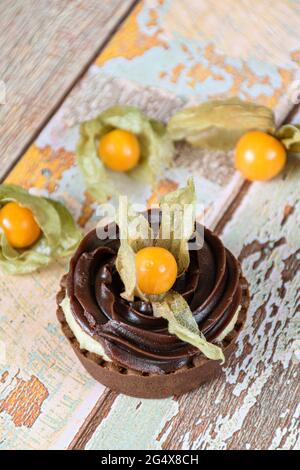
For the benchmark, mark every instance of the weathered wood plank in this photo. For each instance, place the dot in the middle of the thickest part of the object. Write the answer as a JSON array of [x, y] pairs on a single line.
[[168, 46], [44, 48], [65, 394], [259, 406], [145, 50], [178, 81], [257, 403]]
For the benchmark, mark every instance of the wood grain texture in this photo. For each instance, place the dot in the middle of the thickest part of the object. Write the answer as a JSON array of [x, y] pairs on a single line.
[[71, 400], [91, 423], [72, 410], [263, 402], [143, 414], [245, 16], [256, 404], [193, 52], [45, 46], [258, 407]]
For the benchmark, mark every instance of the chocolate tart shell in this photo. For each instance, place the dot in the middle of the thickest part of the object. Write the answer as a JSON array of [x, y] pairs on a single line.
[[141, 385]]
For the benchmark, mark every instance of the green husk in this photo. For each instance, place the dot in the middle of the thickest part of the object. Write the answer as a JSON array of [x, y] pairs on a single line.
[[181, 323], [289, 135], [70, 234], [125, 264], [156, 148], [218, 124], [135, 234], [60, 235], [176, 226]]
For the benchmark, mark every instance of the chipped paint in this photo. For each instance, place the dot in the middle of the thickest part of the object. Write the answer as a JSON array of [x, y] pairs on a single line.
[[262, 363], [24, 401], [269, 252], [131, 432], [153, 48]]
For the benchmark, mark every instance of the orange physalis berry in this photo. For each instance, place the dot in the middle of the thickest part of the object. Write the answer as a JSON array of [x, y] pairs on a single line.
[[119, 150], [259, 156], [156, 270], [19, 225]]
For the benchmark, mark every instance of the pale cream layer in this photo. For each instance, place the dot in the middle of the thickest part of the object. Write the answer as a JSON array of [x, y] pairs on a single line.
[[85, 341], [89, 344]]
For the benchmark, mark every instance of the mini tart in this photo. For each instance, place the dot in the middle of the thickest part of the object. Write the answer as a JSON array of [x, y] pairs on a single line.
[[123, 346]]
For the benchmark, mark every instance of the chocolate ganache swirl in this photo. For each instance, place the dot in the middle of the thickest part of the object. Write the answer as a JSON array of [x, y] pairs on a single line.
[[129, 333]]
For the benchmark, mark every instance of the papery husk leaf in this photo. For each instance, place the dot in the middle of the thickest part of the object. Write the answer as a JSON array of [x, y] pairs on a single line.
[[181, 323], [157, 152], [59, 238], [70, 234], [125, 265], [15, 262], [134, 228], [289, 135], [171, 305], [156, 148], [96, 178], [218, 124], [143, 233], [178, 223], [44, 214], [135, 233]]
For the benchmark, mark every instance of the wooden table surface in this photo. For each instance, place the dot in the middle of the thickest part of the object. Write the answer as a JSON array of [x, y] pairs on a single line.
[[62, 62]]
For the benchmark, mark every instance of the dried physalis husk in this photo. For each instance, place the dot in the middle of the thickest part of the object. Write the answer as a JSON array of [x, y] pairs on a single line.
[[135, 234], [59, 238], [182, 323], [178, 223], [218, 124], [289, 135], [156, 149]]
